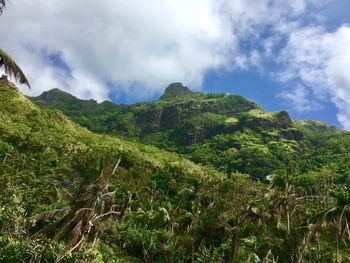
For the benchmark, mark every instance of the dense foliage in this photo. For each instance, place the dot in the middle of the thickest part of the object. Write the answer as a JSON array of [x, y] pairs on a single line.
[[225, 131], [265, 189]]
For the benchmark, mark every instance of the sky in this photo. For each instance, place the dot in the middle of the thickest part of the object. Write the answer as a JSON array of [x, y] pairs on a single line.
[[289, 55]]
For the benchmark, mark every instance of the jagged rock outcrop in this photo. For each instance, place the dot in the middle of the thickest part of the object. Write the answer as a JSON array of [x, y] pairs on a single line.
[[176, 89]]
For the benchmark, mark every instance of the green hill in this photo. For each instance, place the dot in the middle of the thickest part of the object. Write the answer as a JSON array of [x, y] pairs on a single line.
[[226, 131], [43, 155], [265, 190]]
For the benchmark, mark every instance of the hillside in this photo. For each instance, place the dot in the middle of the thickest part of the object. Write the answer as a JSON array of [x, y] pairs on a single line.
[[70, 195], [226, 131], [47, 161]]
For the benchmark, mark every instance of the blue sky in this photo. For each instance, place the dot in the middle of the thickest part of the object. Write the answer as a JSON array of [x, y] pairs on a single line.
[[289, 55], [263, 88]]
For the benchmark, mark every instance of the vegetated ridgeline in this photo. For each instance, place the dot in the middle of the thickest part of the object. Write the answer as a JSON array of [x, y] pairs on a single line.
[[226, 131], [70, 195]]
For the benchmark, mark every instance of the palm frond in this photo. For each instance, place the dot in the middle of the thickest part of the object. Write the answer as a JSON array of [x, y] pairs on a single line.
[[45, 216], [10, 67], [57, 228]]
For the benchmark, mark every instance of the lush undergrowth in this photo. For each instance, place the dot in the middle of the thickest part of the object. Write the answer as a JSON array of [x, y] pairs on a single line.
[[70, 195]]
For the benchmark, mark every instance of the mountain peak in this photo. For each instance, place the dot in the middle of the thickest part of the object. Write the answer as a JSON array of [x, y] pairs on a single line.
[[56, 95], [176, 89]]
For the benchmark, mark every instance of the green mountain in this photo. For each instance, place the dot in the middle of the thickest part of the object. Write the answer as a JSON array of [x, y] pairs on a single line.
[[226, 131], [264, 189]]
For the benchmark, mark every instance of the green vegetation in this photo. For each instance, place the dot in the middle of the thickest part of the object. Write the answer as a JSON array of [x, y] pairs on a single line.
[[264, 189], [225, 131]]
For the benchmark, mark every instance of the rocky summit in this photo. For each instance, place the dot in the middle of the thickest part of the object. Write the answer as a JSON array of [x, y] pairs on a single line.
[[176, 89]]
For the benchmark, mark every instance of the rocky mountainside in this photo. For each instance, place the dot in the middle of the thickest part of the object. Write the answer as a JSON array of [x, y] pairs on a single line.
[[226, 131], [180, 108]]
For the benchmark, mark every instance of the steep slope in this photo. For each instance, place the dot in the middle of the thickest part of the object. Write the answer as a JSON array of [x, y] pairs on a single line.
[[43, 155], [24, 127], [223, 130]]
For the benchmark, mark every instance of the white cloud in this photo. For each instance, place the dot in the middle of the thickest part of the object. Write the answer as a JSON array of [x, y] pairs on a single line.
[[299, 97], [143, 43], [321, 60]]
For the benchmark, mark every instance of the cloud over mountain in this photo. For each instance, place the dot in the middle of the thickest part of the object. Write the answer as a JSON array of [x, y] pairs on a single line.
[[93, 48], [321, 61]]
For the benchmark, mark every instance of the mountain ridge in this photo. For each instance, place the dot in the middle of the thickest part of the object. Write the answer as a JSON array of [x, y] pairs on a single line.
[[73, 106], [58, 95], [189, 123]]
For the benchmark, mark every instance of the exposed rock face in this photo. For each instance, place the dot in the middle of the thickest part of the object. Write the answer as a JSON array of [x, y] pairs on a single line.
[[291, 134], [159, 118], [150, 118], [171, 117], [176, 89], [280, 120]]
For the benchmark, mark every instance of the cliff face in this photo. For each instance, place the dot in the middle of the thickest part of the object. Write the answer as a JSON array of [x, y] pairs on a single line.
[[218, 129], [177, 108]]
